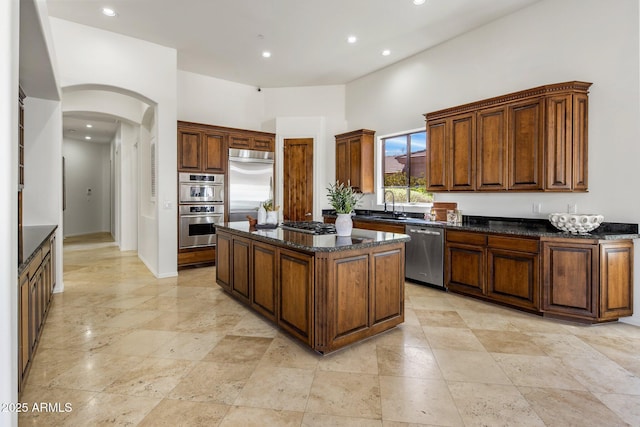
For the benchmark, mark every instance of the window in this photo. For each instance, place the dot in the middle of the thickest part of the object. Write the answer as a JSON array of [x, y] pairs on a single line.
[[404, 168]]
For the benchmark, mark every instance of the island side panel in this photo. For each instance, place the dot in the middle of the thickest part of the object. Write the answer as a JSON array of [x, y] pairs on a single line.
[[295, 305], [358, 294]]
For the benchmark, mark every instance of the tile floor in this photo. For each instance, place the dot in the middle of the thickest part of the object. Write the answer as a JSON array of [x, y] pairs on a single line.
[[124, 348]]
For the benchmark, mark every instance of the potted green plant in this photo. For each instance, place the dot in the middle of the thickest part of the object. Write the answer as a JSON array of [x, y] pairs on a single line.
[[344, 199]]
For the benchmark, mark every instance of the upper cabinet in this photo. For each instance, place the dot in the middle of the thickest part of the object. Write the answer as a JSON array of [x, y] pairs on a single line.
[[201, 148], [354, 159], [252, 141], [533, 140]]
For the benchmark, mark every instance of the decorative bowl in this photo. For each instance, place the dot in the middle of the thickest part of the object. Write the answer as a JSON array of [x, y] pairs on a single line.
[[576, 223]]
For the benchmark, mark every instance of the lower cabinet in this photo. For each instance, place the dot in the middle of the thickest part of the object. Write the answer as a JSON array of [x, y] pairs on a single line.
[[590, 281], [36, 283], [586, 280], [513, 271], [326, 300]]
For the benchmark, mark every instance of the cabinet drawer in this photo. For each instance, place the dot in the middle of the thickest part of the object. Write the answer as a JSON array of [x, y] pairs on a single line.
[[515, 244], [466, 237], [240, 141]]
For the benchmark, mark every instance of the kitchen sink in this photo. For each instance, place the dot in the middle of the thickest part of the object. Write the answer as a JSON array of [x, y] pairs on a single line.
[[390, 216]]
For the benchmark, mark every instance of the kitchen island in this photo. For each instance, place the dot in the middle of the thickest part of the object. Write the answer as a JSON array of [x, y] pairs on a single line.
[[324, 290]]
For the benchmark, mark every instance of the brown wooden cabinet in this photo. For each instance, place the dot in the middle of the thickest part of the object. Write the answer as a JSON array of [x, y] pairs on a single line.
[[581, 279], [252, 141], [588, 280], [264, 298], [465, 260], [326, 300], [36, 282], [513, 271], [201, 148], [526, 144], [492, 149], [295, 294], [354, 159], [532, 140]]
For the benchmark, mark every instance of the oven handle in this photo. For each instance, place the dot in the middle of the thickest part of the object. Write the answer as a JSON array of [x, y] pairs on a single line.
[[200, 216]]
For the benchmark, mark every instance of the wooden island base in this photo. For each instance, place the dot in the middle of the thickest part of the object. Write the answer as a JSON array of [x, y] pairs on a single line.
[[326, 295]]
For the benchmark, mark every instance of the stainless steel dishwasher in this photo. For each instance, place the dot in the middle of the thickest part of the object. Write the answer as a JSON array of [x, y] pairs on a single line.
[[424, 254]]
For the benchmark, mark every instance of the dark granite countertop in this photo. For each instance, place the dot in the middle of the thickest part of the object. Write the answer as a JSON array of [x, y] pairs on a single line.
[[32, 238], [517, 226], [314, 243]]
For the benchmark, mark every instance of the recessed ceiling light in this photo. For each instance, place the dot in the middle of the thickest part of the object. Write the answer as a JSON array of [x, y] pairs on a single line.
[[386, 52], [107, 11], [89, 125], [352, 39], [418, 2], [87, 137], [266, 54]]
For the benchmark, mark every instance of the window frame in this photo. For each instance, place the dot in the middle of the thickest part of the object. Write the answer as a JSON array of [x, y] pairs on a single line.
[[380, 168]]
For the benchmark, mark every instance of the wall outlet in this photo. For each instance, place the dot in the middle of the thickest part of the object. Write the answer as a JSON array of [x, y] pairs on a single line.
[[536, 207], [572, 208]]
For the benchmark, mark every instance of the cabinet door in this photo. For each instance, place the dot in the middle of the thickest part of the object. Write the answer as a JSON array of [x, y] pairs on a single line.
[[492, 149], [263, 143], [387, 299], [616, 280], [23, 323], [464, 263], [526, 138], [295, 305], [462, 163], [513, 278], [580, 178], [354, 163], [559, 148], [240, 269], [34, 308], [214, 156], [240, 141], [264, 296], [437, 156], [342, 161], [570, 279], [189, 150], [223, 260]]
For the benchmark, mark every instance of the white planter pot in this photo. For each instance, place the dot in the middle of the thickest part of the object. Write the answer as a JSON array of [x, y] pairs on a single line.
[[272, 217], [344, 225]]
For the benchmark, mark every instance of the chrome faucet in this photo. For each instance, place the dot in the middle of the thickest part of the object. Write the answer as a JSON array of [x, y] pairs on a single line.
[[393, 201]]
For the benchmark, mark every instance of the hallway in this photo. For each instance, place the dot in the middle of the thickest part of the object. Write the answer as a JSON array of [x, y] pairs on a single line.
[[124, 348]]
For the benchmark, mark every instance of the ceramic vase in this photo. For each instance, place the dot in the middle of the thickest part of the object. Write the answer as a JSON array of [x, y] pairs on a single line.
[[272, 217], [344, 225]]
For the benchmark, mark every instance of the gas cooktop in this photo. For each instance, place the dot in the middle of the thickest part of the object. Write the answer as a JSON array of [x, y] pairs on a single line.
[[309, 227]]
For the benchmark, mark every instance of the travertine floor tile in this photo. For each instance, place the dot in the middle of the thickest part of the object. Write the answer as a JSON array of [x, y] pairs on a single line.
[[213, 382], [345, 394], [509, 342], [172, 413], [493, 405], [443, 338], [563, 408], [258, 417], [537, 371], [470, 366], [188, 346], [111, 409], [418, 401], [277, 388], [237, 349], [415, 362], [360, 357], [625, 406], [152, 378]]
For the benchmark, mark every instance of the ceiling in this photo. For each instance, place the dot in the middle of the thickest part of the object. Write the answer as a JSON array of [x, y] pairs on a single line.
[[307, 38], [103, 128]]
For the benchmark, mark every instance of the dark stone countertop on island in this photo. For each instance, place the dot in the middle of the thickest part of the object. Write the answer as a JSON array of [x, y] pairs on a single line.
[[316, 243], [32, 238], [532, 227]]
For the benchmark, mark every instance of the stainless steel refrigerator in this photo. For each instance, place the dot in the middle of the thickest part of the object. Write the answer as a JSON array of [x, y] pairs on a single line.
[[250, 175]]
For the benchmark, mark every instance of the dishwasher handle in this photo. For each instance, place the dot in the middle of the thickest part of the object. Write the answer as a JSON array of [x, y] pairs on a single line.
[[427, 232]]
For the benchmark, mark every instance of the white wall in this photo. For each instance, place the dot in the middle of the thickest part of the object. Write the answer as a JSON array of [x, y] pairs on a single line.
[[128, 178], [551, 41], [213, 101], [86, 166], [89, 56], [42, 193], [9, 45]]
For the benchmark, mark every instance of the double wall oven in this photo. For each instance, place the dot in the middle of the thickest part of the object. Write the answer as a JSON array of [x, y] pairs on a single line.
[[201, 208]]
